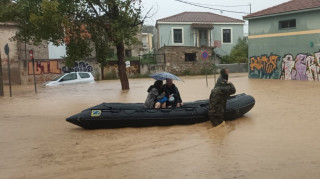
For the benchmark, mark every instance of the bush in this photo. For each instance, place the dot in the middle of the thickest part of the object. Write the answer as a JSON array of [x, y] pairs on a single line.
[[148, 58], [239, 53]]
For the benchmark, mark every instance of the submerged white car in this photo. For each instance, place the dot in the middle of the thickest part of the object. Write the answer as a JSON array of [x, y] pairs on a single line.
[[71, 78]]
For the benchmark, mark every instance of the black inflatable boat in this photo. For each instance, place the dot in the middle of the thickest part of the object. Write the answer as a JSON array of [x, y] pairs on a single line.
[[115, 115]]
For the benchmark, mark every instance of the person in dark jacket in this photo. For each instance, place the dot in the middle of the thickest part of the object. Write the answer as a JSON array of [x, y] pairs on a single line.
[[155, 96], [218, 98], [172, 93]]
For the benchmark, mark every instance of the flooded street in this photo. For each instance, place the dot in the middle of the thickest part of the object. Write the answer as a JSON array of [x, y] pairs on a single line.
[[278, 138]]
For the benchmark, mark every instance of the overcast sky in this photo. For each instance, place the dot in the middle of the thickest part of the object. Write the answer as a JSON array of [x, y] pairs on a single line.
[[165, 8]]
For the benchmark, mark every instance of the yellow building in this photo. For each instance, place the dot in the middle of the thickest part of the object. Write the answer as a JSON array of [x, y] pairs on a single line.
[[147, 42]]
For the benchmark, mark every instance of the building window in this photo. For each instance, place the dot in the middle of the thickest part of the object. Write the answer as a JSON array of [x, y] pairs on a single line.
[[189, 57], [287, 24], [226, 36], [177, 35], [128, 53]]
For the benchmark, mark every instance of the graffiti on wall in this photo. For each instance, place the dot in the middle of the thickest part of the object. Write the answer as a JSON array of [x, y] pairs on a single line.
[[300, 67], [264, 66], [78, 67], [52, 67], [44, 67]]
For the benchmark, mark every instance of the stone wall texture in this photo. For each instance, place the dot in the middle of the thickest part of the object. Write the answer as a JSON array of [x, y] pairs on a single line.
[[175, 61], [19, 54]]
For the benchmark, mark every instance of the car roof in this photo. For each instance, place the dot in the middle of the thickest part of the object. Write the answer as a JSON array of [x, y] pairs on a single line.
[[78, 72]]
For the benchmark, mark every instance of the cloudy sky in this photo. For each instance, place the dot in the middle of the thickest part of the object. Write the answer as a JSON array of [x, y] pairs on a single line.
[[165, 8]]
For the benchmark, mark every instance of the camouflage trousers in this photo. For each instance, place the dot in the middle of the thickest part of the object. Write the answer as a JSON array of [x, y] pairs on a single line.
[[216, 114]]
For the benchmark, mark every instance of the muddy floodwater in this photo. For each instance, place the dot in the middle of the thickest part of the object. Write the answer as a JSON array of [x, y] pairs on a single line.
[[278, 138]]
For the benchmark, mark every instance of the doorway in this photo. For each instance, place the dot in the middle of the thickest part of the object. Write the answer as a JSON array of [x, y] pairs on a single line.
[[203, 37]]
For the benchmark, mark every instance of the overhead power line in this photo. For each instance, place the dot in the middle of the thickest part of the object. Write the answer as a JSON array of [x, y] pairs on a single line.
[[203, 6], [211, 5]]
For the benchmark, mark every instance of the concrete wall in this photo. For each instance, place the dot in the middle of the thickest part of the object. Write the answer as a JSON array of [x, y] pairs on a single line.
[[151, 68], [269, 25], [6, 32], [190, 36], [236, 31], [56, 51], [234, 68], [291, 54], [111, 69], [19, 54], [46, 70]]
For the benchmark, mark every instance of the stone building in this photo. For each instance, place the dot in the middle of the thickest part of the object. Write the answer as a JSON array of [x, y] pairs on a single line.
[[46, 69], [19, 54], [183, 38], [184, 61]]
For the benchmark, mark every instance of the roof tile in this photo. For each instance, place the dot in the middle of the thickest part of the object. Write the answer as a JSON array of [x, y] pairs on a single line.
[[198, 17], [293, 5]]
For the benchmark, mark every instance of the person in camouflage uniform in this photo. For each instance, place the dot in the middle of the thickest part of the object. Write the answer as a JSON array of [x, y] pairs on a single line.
[[218, 98]]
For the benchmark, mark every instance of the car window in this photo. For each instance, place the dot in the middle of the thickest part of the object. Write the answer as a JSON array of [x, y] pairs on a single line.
[[58, 77], [84, 75], [71, 76]]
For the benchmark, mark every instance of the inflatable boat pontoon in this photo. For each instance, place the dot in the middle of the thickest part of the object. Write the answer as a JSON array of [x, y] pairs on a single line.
[[115, 115]]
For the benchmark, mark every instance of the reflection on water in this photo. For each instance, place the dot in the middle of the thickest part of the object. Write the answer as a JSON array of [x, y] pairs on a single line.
[[277, 139]]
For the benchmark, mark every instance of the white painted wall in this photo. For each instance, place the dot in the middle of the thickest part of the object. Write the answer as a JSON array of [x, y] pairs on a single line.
[[56, 52]]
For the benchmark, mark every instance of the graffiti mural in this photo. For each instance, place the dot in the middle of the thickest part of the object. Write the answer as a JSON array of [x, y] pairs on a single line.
[[301, 67], [287, 66], [264, 66], [78, 67], [44, 67], [311, 70]]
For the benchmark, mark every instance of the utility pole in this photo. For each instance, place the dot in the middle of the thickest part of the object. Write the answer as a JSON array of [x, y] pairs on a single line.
[[1, 78], [250, 7], [7, 50], [34, 74]]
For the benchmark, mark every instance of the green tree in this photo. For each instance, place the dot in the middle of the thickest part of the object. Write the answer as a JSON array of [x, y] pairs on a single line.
[[239, 53], [78, 23]]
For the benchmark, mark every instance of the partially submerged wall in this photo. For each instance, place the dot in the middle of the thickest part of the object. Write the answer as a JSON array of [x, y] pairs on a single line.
[[235, 67], [46, 70]]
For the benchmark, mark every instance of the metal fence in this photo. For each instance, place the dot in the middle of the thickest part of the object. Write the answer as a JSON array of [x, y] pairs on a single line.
[[152, 58]]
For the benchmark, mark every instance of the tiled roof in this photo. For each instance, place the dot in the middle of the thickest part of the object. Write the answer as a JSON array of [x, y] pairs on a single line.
[[293, 5], [199, 17]]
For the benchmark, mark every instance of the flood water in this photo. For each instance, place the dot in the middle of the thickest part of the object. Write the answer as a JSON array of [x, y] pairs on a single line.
[[278, 138]]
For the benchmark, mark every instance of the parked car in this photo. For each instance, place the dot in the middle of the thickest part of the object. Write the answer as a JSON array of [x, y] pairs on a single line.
[[71, 78]]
